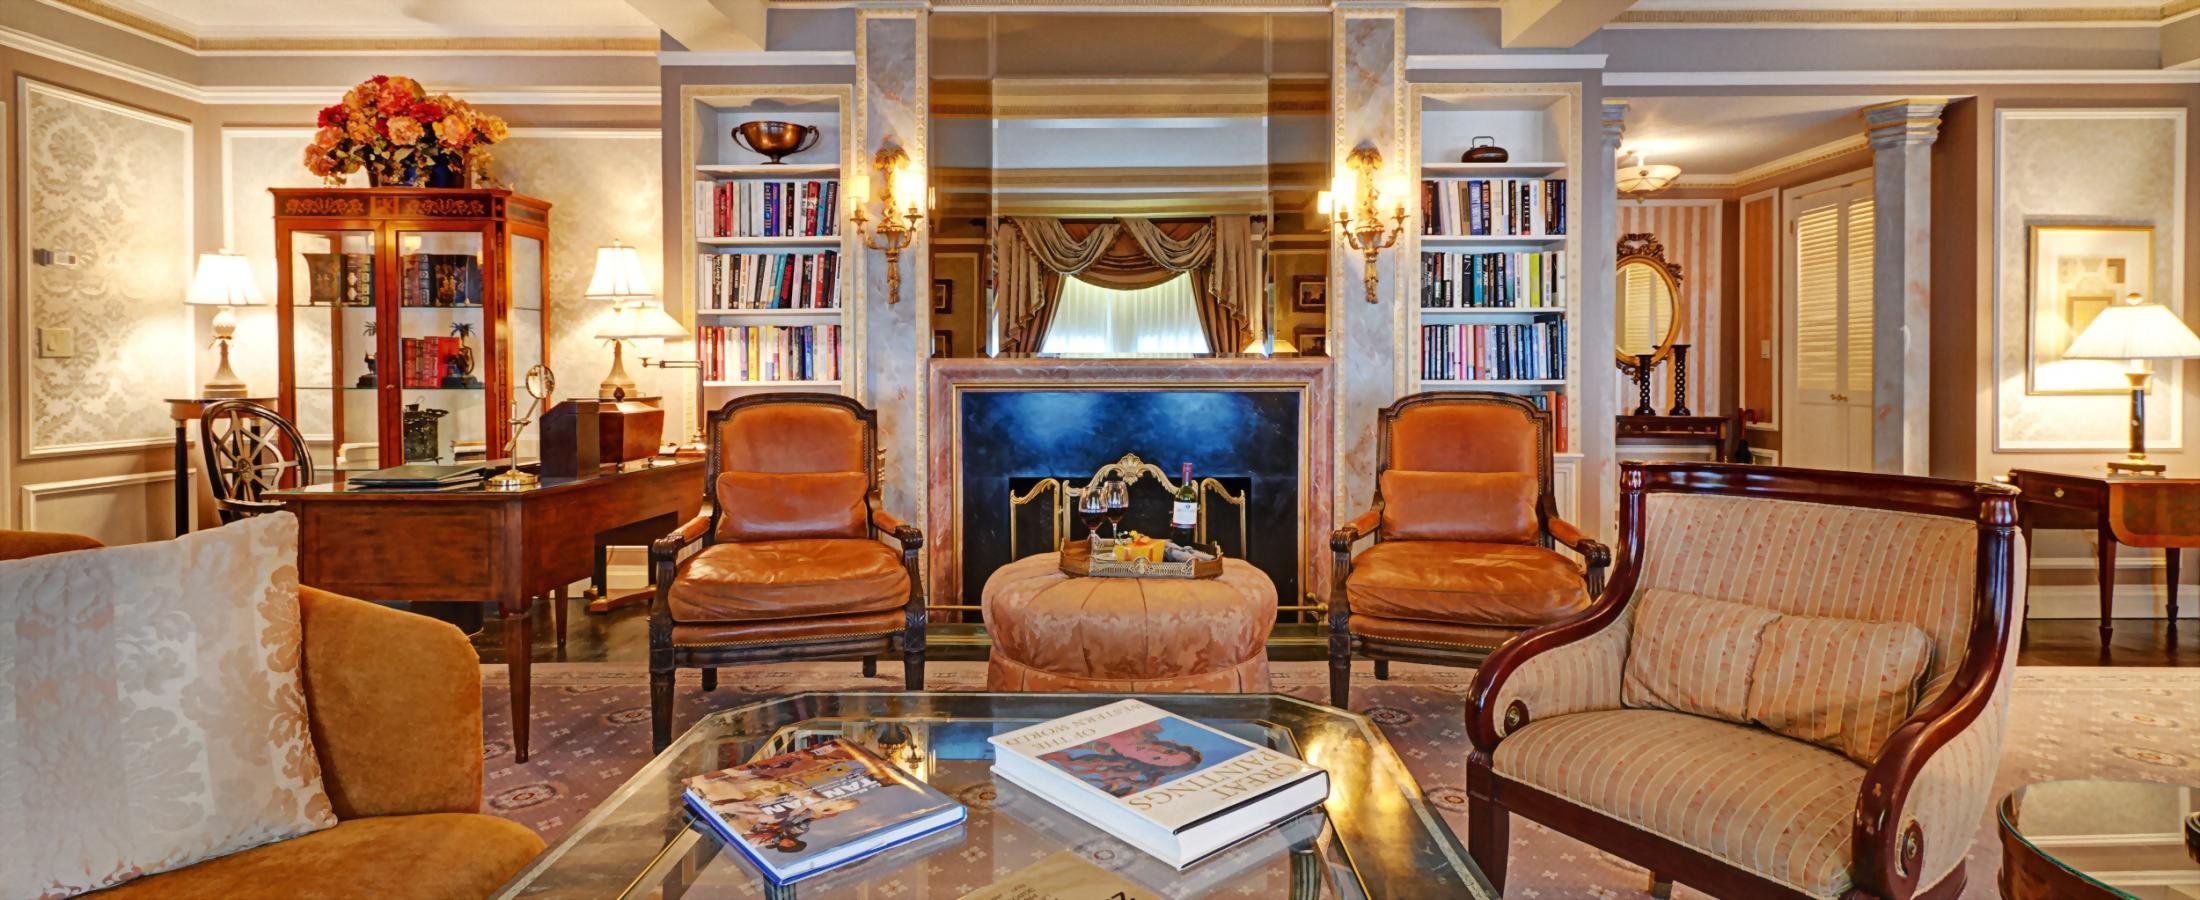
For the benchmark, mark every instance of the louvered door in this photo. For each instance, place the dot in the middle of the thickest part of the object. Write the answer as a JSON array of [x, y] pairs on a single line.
[[1829, 307]]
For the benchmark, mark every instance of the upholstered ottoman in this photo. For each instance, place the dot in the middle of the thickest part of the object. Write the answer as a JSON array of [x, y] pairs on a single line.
[[1053, 632]]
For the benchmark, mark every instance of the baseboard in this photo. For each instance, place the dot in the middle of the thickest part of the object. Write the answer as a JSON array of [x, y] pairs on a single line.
[[2083, 601]]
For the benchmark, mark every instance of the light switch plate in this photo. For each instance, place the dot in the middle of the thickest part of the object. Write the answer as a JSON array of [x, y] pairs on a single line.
[[1764, 349], [56, 343]]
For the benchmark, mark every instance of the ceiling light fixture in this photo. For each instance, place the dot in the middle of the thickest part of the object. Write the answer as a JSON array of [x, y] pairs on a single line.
[[1643, 179]]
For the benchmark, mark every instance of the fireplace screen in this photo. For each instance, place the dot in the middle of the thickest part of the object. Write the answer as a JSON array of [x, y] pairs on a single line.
[[1042, 513]]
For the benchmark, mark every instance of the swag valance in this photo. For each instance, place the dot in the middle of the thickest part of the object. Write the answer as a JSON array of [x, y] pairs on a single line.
[[1031, 256]]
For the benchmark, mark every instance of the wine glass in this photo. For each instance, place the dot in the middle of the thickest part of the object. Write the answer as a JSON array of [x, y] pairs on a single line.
[[1090, 509], [1117, 496]]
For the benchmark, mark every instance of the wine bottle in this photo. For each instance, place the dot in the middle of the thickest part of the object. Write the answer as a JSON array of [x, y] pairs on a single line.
[[1184, 516]]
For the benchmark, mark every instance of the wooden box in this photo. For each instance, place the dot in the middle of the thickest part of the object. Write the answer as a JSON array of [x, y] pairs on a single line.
[[571, 440], [630, 430]]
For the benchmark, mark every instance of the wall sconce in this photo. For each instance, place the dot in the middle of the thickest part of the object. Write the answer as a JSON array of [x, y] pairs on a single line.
[[1359, 203], [900, 203]]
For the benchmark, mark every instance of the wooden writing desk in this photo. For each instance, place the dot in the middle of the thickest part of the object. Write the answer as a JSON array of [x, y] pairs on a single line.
[[2138, 510], [513, 547]]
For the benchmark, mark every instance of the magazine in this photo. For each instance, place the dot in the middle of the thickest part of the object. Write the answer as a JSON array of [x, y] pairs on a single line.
[[803, 812]]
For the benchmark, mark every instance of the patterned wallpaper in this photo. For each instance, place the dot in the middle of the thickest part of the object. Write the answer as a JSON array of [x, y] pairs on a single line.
[[1689, 229], [113, 185]]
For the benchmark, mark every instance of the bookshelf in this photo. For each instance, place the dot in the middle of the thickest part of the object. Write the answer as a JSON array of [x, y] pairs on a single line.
[[774, 300], [1495, 286]]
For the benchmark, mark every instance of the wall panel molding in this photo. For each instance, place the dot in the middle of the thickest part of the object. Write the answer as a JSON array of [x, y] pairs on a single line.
[[32, 495]]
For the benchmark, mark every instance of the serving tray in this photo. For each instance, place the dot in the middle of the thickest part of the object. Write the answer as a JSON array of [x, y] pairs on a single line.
[[1095, 559]]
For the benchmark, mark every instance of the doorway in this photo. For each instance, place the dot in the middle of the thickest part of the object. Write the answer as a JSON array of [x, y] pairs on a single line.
[[1827, 305]]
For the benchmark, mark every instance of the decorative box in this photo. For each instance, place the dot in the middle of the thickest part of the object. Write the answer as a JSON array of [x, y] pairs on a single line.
[[630, 430]]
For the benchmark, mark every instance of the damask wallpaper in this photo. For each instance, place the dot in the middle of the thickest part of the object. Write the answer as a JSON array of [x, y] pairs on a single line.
[[113, 186]]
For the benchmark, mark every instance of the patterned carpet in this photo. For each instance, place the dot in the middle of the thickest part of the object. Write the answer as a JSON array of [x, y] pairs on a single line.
[[591, 730]]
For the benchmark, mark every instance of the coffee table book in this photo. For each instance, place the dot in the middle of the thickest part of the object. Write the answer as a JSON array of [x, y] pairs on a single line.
[[801, 813], [1175, 789]]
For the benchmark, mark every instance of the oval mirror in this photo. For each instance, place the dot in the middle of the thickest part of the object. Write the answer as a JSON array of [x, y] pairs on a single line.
[[1646, 298]]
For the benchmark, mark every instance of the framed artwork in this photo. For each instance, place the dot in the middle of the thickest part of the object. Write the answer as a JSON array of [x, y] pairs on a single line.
[[1311, 340], [2077, 271], [1310, 293], [943, 341], [943, 296]]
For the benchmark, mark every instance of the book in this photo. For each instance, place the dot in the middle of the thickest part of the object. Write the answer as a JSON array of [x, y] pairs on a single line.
[[800, 813], [1175, 789]]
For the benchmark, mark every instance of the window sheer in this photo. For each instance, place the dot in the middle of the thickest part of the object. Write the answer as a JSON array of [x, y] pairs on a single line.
[[1096, 320]]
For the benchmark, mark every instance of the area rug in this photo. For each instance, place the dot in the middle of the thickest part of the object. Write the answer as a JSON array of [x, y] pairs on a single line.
[[591, 731]]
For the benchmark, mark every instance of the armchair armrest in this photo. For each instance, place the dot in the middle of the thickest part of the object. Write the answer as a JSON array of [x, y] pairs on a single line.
[[910, 537], [1359, 527], [1593, 552], [395, 705], [1572, 665]]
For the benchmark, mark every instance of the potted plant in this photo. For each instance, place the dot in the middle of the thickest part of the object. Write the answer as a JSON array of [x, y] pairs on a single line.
[[394, 129]]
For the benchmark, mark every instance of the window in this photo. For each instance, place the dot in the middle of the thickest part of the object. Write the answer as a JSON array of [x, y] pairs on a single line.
[[1104, 321]]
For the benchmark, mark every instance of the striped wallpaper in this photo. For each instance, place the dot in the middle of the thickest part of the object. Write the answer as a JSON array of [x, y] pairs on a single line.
[[1689, 229]]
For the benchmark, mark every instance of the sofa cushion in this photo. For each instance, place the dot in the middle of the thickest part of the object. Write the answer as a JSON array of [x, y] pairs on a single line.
[[761, 506], [1506, 585], [1491, 507], [1693, 654], [757, 580], [1775, 806], [151, 714], [434, 856], [1843, 685]]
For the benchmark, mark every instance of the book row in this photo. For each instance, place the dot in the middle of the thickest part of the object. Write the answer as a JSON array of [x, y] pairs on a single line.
[[1520, 279], [770, 352], [807, 280], [340, 278], [1554, 402], [1510, 207], [1526, 351], [440, 279], [435, 362], [752, 208]]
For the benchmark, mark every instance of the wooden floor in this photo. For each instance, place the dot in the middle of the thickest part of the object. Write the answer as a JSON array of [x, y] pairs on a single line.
[[623, 636]]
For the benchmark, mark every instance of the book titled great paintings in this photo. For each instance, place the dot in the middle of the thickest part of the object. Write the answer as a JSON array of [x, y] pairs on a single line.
[[1169, 786], [800, 813]]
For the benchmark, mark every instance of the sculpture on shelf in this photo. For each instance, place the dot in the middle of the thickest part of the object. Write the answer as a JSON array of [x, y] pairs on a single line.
[[775, 140], [367, 380], [1680, 381], [458, 368]]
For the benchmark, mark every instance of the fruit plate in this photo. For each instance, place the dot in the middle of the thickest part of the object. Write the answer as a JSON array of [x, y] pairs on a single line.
[[1095, 559]]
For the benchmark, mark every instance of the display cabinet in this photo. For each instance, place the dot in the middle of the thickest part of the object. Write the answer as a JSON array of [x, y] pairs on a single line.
[[405, 316]]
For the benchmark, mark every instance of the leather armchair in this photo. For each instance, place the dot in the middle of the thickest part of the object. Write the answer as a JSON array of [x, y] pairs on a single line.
[[1463, 528], [788, 562]]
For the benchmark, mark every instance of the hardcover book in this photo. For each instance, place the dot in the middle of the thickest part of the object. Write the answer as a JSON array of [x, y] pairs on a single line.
[[1176, 789], [800, 813]]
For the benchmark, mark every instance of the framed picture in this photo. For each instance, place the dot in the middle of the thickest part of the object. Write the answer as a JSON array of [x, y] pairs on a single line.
[[2077, 271], [943, 295], [1310, 293], [1311, 340], [943, 342]]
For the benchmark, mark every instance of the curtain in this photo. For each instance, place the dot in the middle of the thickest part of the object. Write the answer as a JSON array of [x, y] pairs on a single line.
[[1091, 319], [1031, 256]]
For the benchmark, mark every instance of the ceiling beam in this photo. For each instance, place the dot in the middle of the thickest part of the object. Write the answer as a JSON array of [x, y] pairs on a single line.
[[1556, 23], [707, 26]]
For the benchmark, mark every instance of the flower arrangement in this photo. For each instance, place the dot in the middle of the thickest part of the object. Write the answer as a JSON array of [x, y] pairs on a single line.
[[390, 126]]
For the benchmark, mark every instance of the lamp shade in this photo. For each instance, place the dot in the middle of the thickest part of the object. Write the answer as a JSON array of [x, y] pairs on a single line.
[[2135, 330], [223, 279], [619, 277], [641, 321]]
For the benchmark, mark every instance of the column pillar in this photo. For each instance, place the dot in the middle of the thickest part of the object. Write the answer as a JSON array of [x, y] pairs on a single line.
[[1368, 102], [1902, 134], [892, 103], [1597, 326]]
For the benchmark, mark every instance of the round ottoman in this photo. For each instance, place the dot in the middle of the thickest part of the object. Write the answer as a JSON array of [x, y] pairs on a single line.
[[1053, 632]]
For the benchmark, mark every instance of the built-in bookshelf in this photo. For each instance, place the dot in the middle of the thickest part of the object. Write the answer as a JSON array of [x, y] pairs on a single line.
[[1491, 252], [770, 285]]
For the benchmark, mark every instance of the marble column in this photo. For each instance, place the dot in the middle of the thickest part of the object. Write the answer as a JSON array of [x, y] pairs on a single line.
[[1902, 135], [892, 105], [1368, 60], [1597, 325]]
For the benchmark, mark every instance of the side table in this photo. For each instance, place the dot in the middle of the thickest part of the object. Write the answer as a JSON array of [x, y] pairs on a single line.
[[184, 411]]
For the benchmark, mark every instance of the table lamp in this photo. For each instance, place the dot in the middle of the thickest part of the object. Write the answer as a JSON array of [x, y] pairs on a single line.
[[223, 279], [2138, 332], [620, 281], [634, 322]]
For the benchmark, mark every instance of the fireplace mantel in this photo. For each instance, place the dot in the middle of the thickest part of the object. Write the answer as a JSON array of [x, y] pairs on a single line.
[[953, 379]]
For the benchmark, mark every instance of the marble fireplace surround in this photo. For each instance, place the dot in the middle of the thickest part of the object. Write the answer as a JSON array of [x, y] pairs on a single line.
[[950, 379]]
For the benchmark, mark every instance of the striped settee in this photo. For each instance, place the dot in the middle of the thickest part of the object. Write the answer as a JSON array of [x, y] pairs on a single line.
[[1735, 809]]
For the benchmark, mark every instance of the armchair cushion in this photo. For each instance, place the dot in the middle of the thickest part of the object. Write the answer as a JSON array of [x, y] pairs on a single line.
[[1491, 507], [1508, 585], [758, 580], [761, 506], [434, 856], [1675, 775], [1842, 685], [1693, 654]]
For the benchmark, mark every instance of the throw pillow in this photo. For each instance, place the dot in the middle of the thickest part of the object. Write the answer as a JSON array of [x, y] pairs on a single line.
[[1839, 683], [1693, 654], [762, 506], [151, 714], [1484, 507]]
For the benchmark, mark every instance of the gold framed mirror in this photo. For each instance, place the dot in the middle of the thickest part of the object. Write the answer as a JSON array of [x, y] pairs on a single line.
[[1646, 298]]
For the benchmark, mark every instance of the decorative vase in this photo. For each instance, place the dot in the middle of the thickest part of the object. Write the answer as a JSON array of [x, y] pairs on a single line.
[[393, 176], [446, 176], [1680, 381], [777, 140]]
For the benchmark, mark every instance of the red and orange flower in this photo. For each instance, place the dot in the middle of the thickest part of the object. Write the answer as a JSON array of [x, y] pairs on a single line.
[[390, 126]]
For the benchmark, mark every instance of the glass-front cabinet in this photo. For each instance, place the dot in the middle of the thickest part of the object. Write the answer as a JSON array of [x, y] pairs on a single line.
[[406, 317]]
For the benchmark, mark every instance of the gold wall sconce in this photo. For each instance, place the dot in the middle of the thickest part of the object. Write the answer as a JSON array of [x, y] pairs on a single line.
[[1368, 207], [901, 202]]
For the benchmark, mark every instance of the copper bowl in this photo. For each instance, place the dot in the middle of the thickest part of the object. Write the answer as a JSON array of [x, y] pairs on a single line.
[[777, 140]]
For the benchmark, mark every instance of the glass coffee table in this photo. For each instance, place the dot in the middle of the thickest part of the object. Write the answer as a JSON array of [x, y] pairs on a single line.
[[2098, 839], [1374, 837]]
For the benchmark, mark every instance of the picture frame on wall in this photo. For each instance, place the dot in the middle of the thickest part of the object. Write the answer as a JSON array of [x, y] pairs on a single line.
[[1310, 293], [943, 343], [943, 296], [2075, 271], [1311, 340]]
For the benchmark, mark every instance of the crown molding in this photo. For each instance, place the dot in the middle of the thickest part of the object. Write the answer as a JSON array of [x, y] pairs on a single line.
[[179, 38], [1792, 162], [1878, 77], [1826, 17], [1432, 61], [756, 58]]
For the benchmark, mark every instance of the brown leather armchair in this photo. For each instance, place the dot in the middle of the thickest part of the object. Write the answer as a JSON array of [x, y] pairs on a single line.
[[1463, 525], [790, 565]]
